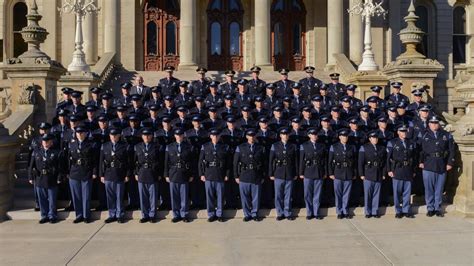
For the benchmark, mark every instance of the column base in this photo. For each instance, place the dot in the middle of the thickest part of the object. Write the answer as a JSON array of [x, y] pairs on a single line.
[[187, 66], [266, 67]]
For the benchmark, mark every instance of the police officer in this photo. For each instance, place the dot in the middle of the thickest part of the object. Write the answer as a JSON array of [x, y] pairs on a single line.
[[342, 169], [312, 169], [214, 170], [147, 169], [436, 159], [82, 169], [178, 174], [249, 167], [310, 84], [256, 86], [169, 84], [401, 162], [396, 97], [283, 86], [371, 165], [114, 171], [336, 89], [199, 87], [229, 86], [283, 169], [45, 172]]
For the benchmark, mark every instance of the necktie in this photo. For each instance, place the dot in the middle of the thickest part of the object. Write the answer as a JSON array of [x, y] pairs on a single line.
[[314, 146], [231, 133], [139, 90], [284, 146], [264, 133], [113, 147], [344, 145], [146, 146], [404, 146], [251, 148], [214, 147], [435, 135], [80, 145], [179, 147]]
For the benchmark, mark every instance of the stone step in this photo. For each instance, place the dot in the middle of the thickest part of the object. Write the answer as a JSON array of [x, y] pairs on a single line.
[[21, 164], [22, 174], [30, 214], [22, 156]]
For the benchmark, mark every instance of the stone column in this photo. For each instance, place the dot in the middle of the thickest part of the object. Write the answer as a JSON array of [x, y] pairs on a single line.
[[356, 36], [187, 29], [8, 149], [262, 34], [335, 30], [111, 26], [89, 38]]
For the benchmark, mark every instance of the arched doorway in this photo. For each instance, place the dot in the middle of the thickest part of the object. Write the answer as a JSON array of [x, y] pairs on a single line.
[[19, 22], [161, 34], [225, 20], [288, 34]]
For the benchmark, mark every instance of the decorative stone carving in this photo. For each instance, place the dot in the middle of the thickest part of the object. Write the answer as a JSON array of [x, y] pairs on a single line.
[[28, 94]]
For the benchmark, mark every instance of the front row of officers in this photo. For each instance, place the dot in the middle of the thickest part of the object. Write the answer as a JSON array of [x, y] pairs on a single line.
[[249, 164]]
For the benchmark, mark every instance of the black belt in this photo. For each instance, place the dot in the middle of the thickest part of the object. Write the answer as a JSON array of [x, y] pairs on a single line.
[[146, 165], [373, 163], [344, 164], [437, 154]]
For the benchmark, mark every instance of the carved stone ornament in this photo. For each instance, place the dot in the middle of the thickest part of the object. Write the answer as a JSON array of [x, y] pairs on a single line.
[[28, 94]]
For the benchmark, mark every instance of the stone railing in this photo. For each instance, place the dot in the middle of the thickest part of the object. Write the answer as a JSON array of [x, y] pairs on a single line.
[[344, 66], [104, 68]]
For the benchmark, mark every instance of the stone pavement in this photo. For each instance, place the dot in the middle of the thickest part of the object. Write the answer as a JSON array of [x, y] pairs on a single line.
[[360, 241]]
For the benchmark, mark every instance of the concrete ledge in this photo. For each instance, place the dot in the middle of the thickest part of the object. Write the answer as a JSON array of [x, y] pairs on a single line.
[[30, 214]]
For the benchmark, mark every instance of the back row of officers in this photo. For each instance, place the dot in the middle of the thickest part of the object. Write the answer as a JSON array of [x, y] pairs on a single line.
[[249, 143]]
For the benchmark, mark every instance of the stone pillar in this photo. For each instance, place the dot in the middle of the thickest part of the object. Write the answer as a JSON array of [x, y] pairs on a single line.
[[187, 29], [8, 149], [111, 12], [356, 36], [89, 38], [262, 34], [335, 30]]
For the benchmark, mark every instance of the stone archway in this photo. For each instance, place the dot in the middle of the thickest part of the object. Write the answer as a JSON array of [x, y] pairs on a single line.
[[11, 23]]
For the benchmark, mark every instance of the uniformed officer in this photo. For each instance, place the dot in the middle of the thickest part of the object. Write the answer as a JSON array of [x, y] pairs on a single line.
[[355, 102], [183, 98], [249, 167], [95, 97], [336, 89], [82, 169], [178, 174], [312, 169], [283, 86], [76, 107], [310, 84], [371, 165], [401, 162], [199, 87], [169, 84], [256, 86], [436, 159], [147, 169], [229, 86], [214, 170], [342, 169], [214, 98], [45, 171], [66, 99], [283, 169], [396, 97], [413, 107], [124, 98], [114, 171]]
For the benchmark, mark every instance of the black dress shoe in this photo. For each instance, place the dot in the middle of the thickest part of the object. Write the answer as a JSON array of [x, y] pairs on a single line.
[[409, 215], [100, 208], [176, 219], [279, 218], [78, 220], [439, 214], [87, 220], [154, 220], [53, 221], [291, 218], [121, 220], [37, 209], [221, 219], [212, 219], [376, 216], [348, 216], [430, 213], [110, 220], [257, 219], [319, 217], [247, 218], [187, 220], [144, 220], [399, 216], [69, 208], [368, 216], [309, 217], [43, 220], [340, 216]]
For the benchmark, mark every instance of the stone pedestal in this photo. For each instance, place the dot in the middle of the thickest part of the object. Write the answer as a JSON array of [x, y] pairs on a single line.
[[8, 149], [34, 81], [80, 81], [364, 80], [414, 72]]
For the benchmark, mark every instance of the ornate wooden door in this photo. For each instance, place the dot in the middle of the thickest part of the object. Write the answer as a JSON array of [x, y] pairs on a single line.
[[288, 34], [225, 21], [161, 34]]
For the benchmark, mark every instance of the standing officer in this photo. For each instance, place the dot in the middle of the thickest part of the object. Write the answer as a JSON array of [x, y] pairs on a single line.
[[114, 172], [45, 172], [178, 174], [310, 84], [169, 84], [401, 162], [214, 170], [249, 165], [283, 86], [283, 169], [342, 169], [199, 87], [147, 167], [436, 159], [256, 86], [396, 97], [229, 86], [371, 165], [336, 89], [82, 159], [312, 169]]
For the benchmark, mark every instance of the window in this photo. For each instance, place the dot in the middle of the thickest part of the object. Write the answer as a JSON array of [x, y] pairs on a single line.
[[296, 39], [234, 5], [216, 5], [216, 45], [152, 33], [278, 5], [296, 5], [234, 38], [171, 5], [459, 35], [170, 38], [423, 24], [19, 22], [278, 39]]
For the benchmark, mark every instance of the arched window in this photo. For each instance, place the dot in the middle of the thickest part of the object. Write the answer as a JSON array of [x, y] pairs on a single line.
[[426, 11], [216, 5], [170, 38], [459, 35], [423, 24], [297, 39], [278, 39], [19, 22], [216, 43], [234, 5], [234, 38], [151, 43]]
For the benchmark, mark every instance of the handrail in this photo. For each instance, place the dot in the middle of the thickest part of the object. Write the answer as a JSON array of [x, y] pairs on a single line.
[[104, 68]]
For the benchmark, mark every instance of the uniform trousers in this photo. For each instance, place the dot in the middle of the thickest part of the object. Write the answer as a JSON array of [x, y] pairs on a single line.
[[434, 186], [214, 198], [371, 196], [283, 191], [179, 199], [401, 195], [114, 191], [342, 192], [147, 193], [250, 197], [81, 197], [312, 195], [47, 201]]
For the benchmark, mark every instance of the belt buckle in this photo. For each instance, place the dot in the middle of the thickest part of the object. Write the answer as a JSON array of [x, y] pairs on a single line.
[[344, 164], [112, 164], [375, 163], [405, 163], [44, 172], [145, 165], [178, 165], [79, 162], [250, 166]]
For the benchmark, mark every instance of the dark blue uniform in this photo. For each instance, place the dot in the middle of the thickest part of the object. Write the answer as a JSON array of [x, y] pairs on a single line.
[[199, 88], [169, 87], [256, 87]]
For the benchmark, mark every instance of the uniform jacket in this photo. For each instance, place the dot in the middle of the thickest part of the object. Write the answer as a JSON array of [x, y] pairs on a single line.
[[436, 152], [372, 161], [283, 163], [148, 162], [82, 160], [342, 163], [177, 164], [313, 160], [115, 165], [250, 166], [46, 167], [402, 159], [215, 164]]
